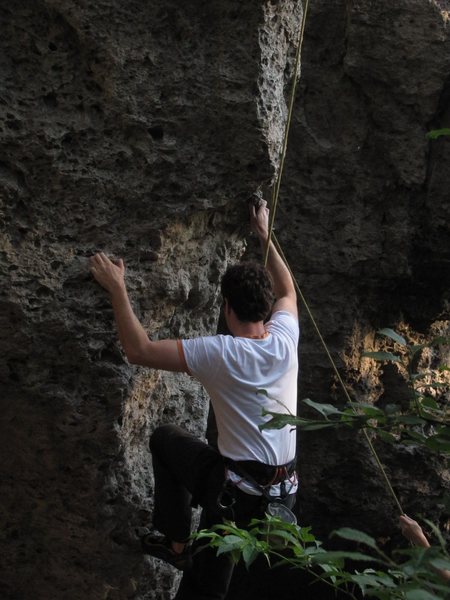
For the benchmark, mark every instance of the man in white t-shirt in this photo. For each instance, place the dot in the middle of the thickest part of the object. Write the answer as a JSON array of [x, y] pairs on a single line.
[[250, 371]]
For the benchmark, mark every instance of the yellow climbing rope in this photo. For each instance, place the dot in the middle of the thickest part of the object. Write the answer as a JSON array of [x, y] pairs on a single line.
[[276, 188], [338, 376], [272, 236]]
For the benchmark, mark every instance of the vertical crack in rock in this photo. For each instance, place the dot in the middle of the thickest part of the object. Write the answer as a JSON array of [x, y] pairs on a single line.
[[278, 38]]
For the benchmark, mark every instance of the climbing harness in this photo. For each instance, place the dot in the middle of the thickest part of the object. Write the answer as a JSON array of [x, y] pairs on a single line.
[[264, 474], [274, 505], [226, 499], [271, 236]]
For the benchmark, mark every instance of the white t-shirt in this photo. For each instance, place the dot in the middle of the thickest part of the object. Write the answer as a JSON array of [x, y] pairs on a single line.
[[232, 370]]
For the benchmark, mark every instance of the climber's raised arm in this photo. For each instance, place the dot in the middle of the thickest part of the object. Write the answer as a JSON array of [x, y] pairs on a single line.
[[283, 285], [138, 348]]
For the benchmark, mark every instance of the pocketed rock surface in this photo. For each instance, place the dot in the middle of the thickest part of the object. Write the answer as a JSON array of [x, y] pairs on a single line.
[[141, 129]]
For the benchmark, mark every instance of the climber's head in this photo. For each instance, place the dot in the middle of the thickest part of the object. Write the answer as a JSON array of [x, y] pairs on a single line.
[[248, 289]]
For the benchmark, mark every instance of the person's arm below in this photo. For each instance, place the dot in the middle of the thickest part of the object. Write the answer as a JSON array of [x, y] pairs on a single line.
[[139, 349], [284, 289], [414, 533]]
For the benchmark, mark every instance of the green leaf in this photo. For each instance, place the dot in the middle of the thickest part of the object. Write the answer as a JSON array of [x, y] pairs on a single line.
[[438, 444], [381, 356], [429, 402], [278, 420], [356, 536], [434, 134], [368, 409], [386, 436], [306, 425], [249, 554], [306, 535], [444, 431], [324, 409], [385, 579], [418, 437], [409, 420], [336, 555], [224, 548], [372, 580], [393, 335], [420, 594], [444, 368], [263, 392], [440, 563]]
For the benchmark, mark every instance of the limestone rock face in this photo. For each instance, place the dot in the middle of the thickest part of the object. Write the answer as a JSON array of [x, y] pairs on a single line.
[[141, 129]]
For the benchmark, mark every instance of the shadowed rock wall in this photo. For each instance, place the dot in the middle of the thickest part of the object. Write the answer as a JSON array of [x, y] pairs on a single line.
[[364, 221], [141, 129]]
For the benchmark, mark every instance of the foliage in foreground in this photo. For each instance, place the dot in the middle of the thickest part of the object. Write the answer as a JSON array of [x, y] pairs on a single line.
[[437, 133], [410, 574]]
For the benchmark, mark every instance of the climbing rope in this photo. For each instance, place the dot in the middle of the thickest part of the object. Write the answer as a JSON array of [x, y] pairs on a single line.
[[272, 236], [338, 376], [276, 188]]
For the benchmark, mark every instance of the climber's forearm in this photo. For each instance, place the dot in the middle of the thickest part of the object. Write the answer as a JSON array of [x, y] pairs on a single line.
[[283, 284], [132, 335], [139, 349]]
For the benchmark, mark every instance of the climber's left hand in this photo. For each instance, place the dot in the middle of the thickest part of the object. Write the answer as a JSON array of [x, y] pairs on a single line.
[[109, 274]]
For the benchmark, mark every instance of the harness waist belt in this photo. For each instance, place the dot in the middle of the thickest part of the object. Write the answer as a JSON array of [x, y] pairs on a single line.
[[263, 474]]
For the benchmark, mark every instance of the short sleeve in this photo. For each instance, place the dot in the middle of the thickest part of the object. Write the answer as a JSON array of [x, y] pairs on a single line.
[[202, 356], [284, 323]]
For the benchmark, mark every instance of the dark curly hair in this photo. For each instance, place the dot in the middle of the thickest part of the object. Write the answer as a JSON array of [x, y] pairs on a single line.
[[248, 287]]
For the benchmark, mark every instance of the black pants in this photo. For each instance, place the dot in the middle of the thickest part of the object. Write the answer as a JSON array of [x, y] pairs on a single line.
[[188, 473]]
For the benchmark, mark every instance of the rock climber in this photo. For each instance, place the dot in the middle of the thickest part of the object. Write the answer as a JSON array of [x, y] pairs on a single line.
[[252, 369]]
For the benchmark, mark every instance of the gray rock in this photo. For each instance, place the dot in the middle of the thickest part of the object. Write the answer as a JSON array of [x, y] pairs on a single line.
[[141, 129]]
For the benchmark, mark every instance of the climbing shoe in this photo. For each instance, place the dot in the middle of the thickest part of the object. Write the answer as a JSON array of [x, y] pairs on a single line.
[[161, 547]]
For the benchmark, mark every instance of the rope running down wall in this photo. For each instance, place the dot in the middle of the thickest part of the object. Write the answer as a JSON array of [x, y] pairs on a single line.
[[271, 236]]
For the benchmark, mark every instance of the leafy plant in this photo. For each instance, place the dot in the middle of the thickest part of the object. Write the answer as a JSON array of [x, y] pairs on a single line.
[[436, 133], [411, 574]]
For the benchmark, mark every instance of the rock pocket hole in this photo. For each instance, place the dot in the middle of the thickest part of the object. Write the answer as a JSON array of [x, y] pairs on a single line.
[[50, 100], [157, 132]]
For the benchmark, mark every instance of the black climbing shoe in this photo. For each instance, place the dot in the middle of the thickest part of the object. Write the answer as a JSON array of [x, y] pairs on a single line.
[[160, 547]]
